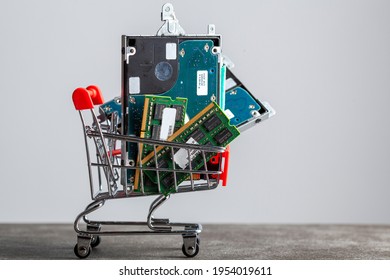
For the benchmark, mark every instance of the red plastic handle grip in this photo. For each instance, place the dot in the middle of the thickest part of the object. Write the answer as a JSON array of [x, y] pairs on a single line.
[[224, 175], [116, 152], [225, 157], [86, 98]]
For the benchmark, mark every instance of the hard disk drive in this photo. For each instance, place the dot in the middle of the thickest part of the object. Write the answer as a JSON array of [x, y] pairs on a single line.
[[177, 65]]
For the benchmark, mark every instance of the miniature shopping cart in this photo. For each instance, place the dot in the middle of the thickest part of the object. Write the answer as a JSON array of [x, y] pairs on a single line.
[[103, 138]]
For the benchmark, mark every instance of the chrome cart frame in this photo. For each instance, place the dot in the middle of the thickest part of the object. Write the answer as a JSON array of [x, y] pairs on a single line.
[[110, 170]]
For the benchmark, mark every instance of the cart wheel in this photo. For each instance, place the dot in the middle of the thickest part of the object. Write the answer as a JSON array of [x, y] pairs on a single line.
[[83, 252], [95, 241], [190, 251]]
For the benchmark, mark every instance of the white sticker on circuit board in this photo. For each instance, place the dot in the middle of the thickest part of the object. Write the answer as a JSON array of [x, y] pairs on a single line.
[[181, 156], [202, 82], [167, 123], [229, 114], [134, 85], [230, 83], [170, 51]]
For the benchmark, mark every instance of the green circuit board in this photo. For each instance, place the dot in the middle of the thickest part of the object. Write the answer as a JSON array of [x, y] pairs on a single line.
[[162, 116], [209, 127]]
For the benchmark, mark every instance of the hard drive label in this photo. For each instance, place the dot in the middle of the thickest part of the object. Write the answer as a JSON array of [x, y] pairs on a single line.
[[202, 82]]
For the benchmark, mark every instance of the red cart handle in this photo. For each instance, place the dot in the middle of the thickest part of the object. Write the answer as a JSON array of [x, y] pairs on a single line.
[[86, 98], [224, 175], [215, 160]]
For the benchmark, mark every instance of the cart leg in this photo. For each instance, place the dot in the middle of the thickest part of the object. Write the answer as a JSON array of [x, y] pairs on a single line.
[[153, 206], [95, 241], [191, 245], [157, 224], [83, 247], [160, 221], [93, 206]]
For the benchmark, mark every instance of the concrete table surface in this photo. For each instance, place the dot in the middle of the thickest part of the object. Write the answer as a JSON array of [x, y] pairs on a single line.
[[225, 241]]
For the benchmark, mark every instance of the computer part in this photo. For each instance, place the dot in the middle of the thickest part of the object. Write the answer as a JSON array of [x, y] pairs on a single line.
[[242, 108], [209, 127], [170, 64], [162, 116]]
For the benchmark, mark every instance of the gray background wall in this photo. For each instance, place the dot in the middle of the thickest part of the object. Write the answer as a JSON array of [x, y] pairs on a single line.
[[323, 65]]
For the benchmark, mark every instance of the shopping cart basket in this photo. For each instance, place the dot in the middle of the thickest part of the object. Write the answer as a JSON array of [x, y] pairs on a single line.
[[103, 139]]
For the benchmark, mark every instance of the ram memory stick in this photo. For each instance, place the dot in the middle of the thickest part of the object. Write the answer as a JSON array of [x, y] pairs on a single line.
[[209, 127], [161, 117]]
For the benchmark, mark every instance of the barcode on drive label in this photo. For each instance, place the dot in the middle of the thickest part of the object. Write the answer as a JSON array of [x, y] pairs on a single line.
[[202, 82]]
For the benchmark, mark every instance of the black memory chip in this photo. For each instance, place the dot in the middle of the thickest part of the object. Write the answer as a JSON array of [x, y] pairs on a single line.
[[169, 180], [179, 112], [158, 111], [162, 163], [222, 136], [196, 135], [156, 132], [212, 123]]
